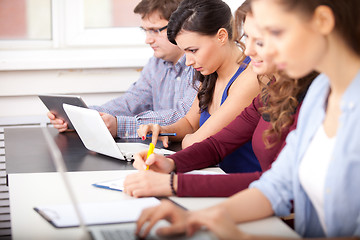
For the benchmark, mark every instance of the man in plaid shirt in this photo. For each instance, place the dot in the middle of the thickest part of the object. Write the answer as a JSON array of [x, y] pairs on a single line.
[[164, 92]]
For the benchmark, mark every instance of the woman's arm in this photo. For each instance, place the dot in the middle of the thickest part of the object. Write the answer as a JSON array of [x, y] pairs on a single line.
[[241, 93], [247, 205], [213, 149], [217, 185], [188, 124], [200, 155], [220, 219]]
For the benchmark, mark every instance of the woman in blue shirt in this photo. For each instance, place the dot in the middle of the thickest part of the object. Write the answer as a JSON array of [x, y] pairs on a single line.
[[319, 167]]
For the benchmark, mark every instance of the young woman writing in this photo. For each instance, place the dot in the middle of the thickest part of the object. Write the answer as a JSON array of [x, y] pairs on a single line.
[[203, 29]]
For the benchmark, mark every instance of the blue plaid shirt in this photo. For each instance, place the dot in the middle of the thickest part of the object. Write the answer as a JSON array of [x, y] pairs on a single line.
[[163, 94]]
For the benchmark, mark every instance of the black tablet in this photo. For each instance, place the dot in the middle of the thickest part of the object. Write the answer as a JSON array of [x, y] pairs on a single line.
[[55, 105]]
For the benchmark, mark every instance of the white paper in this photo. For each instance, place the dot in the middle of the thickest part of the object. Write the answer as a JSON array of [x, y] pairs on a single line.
[[116, 184], [64, 215]]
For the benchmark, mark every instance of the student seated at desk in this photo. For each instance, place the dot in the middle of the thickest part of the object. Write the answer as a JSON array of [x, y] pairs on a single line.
[[271, 116], [319, 166], [203, 29], [164, 93]]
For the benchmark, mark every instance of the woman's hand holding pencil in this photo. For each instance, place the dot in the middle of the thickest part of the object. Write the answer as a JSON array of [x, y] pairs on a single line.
[[155, 162]]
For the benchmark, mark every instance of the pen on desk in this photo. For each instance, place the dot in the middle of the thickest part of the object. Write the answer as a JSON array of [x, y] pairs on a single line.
[[150, 151], [162, 135]]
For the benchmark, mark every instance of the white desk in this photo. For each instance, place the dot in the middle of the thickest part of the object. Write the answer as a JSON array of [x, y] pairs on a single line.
[[31, 189]]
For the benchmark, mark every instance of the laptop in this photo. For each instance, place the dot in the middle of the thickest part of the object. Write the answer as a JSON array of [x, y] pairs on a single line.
[[106, 232], [96, 137]]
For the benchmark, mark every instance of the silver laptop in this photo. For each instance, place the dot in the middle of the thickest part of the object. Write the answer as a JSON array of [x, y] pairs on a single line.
[[96, 136], [106, 232]]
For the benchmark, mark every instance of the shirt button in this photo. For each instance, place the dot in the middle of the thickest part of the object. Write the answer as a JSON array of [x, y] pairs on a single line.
[[178, 78], [328, 190]]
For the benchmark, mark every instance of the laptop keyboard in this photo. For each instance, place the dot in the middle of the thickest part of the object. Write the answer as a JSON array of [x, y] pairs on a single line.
[[128, 234], [119, 234]]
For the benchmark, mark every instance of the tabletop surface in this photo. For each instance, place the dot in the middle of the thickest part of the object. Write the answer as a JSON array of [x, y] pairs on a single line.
[[33, 180], [34, 189], [27, 152]]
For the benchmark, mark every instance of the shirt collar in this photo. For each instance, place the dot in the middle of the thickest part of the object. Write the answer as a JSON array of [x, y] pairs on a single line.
[[178, 66], [351, 96]]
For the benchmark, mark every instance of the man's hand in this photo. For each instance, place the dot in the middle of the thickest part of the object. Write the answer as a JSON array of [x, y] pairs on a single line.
[[110, 122]]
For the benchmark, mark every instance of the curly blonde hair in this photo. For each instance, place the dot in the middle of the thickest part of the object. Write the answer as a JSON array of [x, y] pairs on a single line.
[[280, 101]]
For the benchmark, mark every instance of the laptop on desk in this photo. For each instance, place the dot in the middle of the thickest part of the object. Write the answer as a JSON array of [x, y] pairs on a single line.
[[104, 232], [96, 137]]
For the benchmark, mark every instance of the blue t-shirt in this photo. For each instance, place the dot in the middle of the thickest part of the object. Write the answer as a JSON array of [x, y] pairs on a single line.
[[242, 159]]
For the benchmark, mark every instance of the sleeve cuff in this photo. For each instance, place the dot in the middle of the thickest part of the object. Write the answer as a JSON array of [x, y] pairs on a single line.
[[126, 127]]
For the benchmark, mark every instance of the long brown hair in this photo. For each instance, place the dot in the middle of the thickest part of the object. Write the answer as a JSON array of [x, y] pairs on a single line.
[[205, 17], [280, 98]]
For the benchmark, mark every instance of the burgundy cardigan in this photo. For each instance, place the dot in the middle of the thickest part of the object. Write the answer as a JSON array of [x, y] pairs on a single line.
[[250, 124]]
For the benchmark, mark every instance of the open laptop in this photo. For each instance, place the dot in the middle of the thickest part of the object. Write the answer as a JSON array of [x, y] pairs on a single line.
[[96, 137], [106, 232]]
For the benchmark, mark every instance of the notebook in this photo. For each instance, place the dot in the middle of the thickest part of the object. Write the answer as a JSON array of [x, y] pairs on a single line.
[[96, 137], [105, 232]]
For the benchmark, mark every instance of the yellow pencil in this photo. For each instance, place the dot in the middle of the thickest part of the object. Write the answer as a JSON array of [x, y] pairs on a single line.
[[151, 150]]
